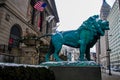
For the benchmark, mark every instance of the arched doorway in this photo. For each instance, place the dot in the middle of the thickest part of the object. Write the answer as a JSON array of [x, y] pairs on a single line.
[[15, 35]]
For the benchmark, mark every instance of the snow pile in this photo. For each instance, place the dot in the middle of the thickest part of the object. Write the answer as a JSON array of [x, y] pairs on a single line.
[[18, 65]]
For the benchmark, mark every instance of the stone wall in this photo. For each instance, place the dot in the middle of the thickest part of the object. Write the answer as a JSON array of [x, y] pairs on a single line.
[[18, 12], [6, 24]]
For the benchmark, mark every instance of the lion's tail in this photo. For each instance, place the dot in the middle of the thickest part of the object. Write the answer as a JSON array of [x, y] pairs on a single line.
[[44, 36]]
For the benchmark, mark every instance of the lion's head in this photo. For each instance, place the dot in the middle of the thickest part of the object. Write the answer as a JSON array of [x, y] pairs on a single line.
[[104, 24]]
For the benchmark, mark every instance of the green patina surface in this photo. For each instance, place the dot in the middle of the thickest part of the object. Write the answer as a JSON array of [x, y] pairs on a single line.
[[83, 38], [70, 63]]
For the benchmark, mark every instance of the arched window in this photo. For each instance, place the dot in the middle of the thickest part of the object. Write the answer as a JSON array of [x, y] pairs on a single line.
[[15, 35]]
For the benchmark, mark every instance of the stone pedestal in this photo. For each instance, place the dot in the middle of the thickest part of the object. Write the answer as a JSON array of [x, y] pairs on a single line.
[[29, 56], [75, 71]]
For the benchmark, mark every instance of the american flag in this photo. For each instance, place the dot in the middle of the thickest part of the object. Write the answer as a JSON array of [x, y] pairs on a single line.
[[40, 6]]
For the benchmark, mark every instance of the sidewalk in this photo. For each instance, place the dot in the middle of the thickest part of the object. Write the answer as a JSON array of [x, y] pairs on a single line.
[[106, 76], [114, 76]]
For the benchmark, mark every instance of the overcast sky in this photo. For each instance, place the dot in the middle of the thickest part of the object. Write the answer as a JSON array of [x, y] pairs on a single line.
[[73, 12]]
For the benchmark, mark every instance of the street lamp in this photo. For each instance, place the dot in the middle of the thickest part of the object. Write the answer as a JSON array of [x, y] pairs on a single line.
[[109, 67], [108, 53]]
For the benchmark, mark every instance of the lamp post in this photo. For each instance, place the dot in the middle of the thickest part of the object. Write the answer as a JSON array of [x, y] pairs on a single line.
[[108, 54], [109, 66]]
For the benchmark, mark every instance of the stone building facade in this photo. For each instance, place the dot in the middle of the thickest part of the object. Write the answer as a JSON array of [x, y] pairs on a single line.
[[114, 35], [108, 47], [102, 44], [17, 18]]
